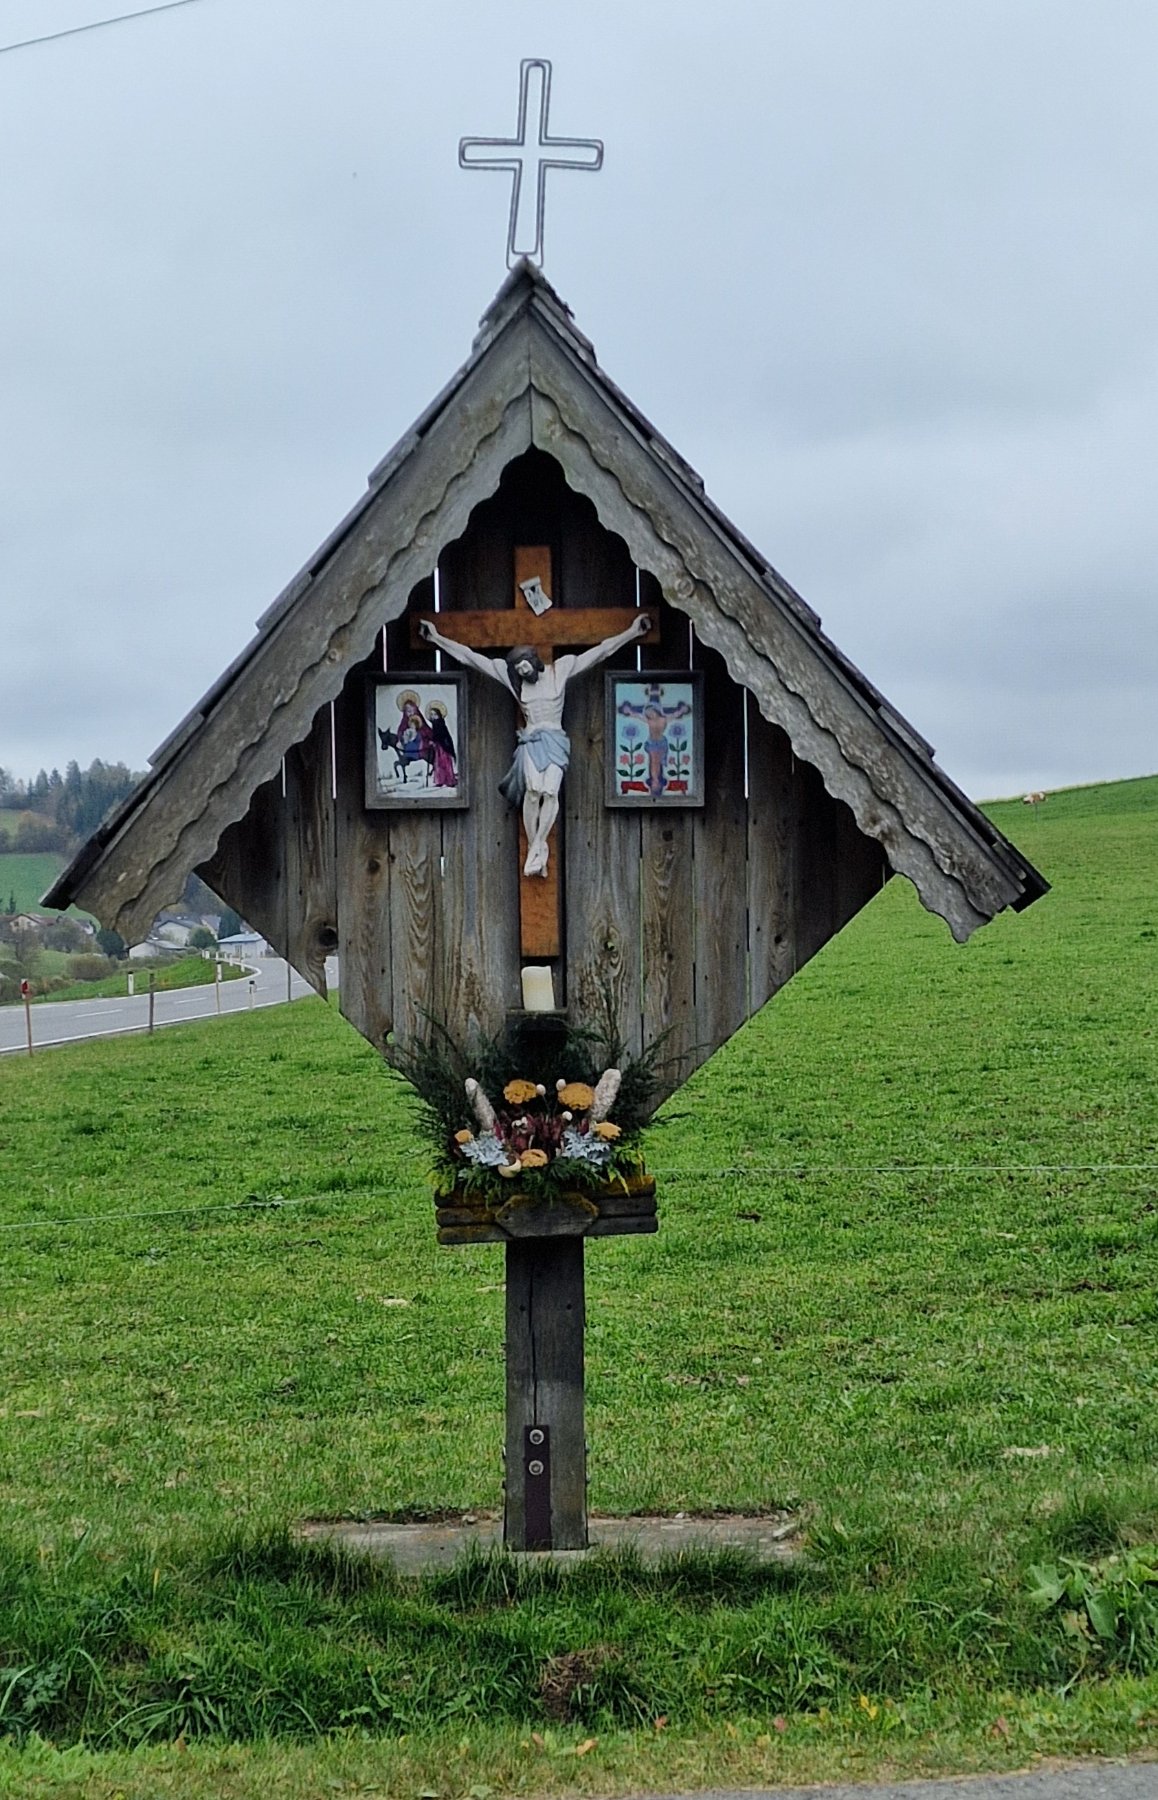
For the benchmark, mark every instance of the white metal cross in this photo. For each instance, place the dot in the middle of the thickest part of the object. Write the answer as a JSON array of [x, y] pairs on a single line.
[[528, 196]]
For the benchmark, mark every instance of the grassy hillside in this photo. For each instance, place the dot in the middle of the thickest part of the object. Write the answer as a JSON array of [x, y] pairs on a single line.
[[905, 1282], [27, 876]]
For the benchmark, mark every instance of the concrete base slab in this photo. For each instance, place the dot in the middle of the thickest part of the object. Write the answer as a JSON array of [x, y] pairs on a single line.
[[414, 1547]]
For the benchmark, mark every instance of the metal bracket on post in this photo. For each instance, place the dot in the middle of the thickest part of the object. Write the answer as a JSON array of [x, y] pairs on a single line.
[[537, 1486]]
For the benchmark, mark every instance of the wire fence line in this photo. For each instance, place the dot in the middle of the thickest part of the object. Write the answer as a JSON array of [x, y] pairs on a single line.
[[276, 1203]]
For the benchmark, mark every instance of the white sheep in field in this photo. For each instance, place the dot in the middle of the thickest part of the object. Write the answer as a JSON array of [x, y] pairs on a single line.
[[1034, 800]]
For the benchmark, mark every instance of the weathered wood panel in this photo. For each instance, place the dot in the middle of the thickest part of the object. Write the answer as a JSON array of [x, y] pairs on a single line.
[[602, 900], [415, 893], [862, 868], [771, 859], [668, 897], [248, 868], [362, 880], [720, 832], [311, 869], [478, 926], [814, 831], [415, 857], [479, 887]]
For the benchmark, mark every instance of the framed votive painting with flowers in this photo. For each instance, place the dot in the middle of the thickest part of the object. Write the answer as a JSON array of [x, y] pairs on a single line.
[[654, 738], [416, 741]]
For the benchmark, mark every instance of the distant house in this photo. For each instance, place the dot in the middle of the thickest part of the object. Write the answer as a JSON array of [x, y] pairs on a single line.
[[175, 929], [243, 946]]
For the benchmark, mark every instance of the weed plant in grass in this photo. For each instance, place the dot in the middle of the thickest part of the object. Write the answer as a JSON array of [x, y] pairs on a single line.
[[905, 1281]]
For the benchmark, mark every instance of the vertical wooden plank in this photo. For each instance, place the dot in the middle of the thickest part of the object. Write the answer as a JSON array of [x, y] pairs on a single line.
[[362, 877], [311, 873], [602, 882], [248, 867], [478, 897], [478, 886], [720, 832], [668, 898], [862, 868], [815, 900], [476, 572], [771, 859], [415, 887], [413, 846], [545, 1321]]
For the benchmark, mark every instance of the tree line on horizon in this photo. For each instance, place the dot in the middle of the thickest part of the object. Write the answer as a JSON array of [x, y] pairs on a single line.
[[58, 811]]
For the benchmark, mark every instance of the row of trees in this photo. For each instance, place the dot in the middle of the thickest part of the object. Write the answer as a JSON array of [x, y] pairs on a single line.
[[57, 809]]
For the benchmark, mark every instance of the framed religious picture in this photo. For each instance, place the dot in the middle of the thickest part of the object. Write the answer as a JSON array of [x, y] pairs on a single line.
[[416, 740], [654, 738]]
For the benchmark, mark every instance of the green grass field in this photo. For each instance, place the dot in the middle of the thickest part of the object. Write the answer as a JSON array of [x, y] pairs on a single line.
[[905, 1282], [185, 971], [24, 876]]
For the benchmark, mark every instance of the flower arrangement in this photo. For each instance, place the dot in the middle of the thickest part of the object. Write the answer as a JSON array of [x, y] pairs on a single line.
[[548, 1137], [497, 1132]]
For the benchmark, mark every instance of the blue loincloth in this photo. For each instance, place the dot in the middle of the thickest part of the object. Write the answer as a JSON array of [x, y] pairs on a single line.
[[540, 747]]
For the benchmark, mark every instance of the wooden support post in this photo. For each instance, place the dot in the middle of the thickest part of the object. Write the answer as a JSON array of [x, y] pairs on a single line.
[[546, 1475]]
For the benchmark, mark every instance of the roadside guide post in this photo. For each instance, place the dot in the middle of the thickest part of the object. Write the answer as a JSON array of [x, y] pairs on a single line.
[[152, 1000], [26, 996]]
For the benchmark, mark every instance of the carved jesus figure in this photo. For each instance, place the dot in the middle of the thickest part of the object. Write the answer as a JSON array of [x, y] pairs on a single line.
[[542, 749]]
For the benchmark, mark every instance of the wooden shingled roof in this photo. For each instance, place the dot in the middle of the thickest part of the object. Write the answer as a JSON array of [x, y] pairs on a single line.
[[532, 380]]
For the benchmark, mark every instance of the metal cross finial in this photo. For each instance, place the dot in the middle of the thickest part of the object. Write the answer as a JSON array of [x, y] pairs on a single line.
[[528, 198]]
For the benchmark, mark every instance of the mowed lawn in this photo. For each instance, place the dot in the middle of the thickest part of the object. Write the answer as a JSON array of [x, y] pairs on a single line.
[[25, 875], [904, 1282]]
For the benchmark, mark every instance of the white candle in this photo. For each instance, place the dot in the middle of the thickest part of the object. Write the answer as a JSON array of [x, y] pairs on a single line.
[[538, 989]]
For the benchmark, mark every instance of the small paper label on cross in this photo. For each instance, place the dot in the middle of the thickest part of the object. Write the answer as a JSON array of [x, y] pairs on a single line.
[[523, 160], [536, 596]]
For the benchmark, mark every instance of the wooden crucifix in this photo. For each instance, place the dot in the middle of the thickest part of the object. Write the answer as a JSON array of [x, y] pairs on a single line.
[[533, 631]]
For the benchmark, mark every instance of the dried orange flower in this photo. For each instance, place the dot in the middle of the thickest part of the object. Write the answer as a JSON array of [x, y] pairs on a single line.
[[606, 1130], [577, 1095], [534, 1159], [520, 1092], [464, 1137]]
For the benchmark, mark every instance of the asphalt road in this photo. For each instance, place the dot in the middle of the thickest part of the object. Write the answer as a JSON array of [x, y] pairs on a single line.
[[72, 1021], [1087, 1781]]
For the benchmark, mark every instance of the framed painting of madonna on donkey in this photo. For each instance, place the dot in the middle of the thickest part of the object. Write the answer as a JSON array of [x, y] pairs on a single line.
[[416, 741]]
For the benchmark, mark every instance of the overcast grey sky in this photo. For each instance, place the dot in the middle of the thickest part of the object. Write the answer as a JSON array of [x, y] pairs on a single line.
[[883, 270]]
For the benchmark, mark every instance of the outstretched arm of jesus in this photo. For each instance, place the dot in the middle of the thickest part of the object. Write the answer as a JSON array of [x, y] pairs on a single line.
[[587, 659], [494, 666]]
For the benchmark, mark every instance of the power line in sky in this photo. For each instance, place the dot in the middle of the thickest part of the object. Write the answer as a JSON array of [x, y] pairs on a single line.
[[95, 25]]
